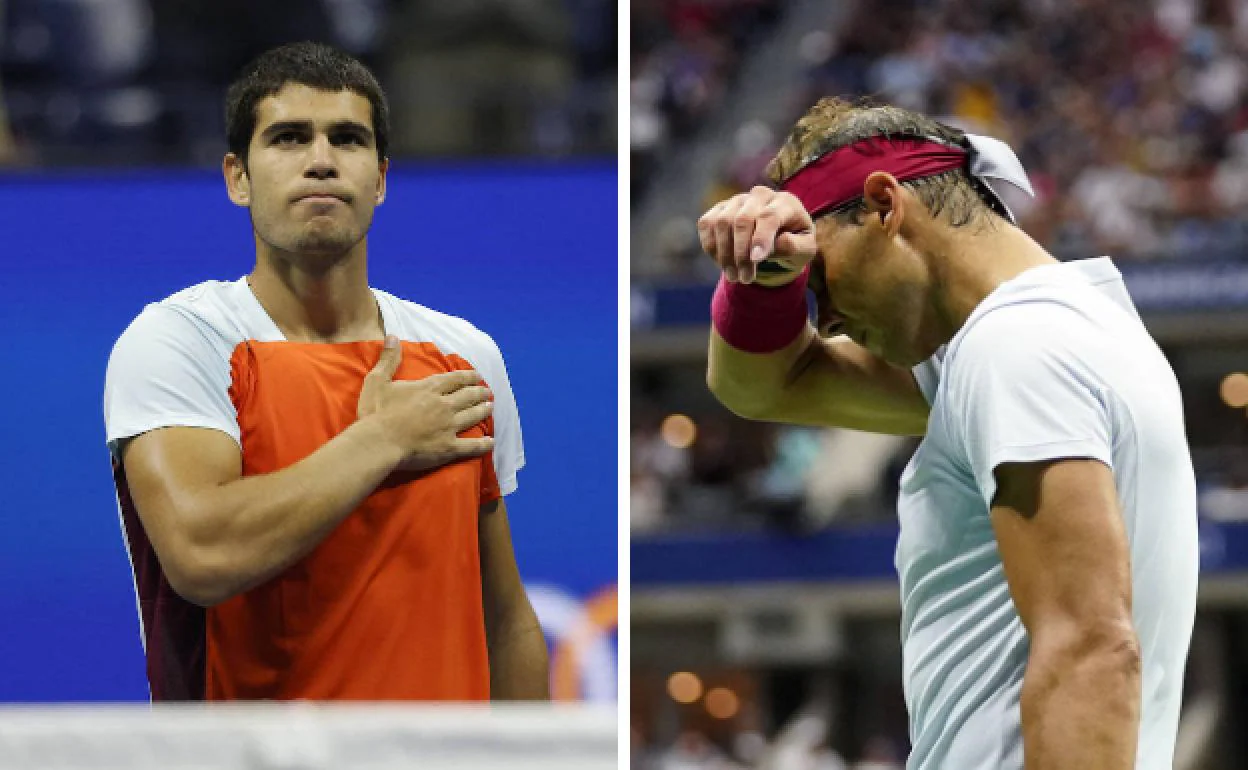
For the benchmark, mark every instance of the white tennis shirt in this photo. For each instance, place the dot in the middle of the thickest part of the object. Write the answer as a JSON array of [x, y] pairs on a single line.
[[1054, 363]]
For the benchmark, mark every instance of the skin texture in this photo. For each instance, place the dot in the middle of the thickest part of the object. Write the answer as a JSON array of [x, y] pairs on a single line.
[[897, 287], [1081, 691], [519, 669], [217, 533], [311, 254]]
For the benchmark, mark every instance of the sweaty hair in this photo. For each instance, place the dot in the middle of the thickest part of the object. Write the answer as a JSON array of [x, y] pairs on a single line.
[[834, 123], [311, 64]]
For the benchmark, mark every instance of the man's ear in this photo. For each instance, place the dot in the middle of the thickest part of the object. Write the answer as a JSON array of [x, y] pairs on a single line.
[[885, 199], [237, 183], [384, 167]]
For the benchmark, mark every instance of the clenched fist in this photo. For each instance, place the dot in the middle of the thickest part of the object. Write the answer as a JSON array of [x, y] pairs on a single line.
[[763, 235]]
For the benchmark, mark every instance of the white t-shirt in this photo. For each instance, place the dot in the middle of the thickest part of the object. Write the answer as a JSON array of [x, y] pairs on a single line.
[[172, 365], [1054, 363]]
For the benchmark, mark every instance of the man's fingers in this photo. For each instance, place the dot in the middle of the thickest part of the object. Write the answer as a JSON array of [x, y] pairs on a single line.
[[388, 362], [723, 225], [796, 245], [473, 415], [744, 227], [706, 229], [466, 397], [472, 447], [449, 382], [766, 230]]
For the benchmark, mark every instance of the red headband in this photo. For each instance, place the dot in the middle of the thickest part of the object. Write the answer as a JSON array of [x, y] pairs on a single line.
[[837, 177]]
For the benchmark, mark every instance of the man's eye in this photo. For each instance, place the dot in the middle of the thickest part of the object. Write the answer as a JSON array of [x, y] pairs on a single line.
[[349, 139], [286, 137]]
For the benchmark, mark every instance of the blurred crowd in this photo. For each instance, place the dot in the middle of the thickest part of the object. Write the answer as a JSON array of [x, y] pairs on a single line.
[[140, 81], [685, 56], [707, 470], [739, 475], [799, 748], [1131, 118]]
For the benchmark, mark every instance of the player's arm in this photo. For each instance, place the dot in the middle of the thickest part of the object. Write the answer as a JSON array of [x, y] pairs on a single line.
[[1064, 549], [821, 381], [218, 533], [519, 669], [787, 372]]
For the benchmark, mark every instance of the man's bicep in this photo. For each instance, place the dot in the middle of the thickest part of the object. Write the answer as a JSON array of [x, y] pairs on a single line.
[[1063, 545], [166, 470]]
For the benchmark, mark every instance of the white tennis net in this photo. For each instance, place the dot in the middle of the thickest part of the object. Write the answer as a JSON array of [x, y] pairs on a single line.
[[307, 736]]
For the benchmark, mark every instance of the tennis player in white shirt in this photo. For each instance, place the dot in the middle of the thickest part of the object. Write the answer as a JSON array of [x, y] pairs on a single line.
[[1048, 551]]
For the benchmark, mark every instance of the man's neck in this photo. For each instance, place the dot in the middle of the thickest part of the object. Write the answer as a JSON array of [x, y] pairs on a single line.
[[970, 265], [333, 304]]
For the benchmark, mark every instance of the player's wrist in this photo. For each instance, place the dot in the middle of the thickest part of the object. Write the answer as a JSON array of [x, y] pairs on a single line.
[[760, 319], [372, 434]]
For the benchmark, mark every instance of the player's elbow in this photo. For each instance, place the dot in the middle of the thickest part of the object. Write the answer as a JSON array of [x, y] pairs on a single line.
[[737, 398], [1093, 650], [199, 574]]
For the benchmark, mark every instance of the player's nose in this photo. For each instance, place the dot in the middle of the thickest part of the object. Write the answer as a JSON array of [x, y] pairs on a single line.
[[321, 163]]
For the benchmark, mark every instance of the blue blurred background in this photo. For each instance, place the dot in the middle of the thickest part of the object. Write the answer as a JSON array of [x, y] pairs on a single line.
[[502, 208], [84, 252]]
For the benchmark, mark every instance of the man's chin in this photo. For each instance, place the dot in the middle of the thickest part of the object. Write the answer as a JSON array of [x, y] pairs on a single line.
[[324, 244]]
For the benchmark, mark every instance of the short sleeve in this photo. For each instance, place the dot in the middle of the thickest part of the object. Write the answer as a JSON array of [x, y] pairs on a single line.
[[927, 375], [1024, 382], [166, 370], [508, 442]]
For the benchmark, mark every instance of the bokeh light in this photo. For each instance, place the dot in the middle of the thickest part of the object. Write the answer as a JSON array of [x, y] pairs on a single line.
[[679, 431], [1234, 390], [684, 687], [722, 703]]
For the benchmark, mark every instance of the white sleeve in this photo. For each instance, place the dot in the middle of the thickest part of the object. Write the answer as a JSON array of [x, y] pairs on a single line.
[[165, 370], [1023, 381], [508, 443], [927, 374]]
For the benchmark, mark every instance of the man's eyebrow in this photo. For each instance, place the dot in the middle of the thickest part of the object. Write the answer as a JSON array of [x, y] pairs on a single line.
[[351, 125], [306, 126], [286, 125]]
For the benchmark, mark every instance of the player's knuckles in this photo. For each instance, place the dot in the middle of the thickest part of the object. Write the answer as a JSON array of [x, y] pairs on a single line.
[[743, 221], [789, 207]]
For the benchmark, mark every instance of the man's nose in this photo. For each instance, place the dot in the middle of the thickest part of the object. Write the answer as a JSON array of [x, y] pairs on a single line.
[[321, 164]]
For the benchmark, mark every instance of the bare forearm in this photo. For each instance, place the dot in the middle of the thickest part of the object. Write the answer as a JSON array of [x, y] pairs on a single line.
[[1081, 712], [751, 383], [246, 531], [519, 665]]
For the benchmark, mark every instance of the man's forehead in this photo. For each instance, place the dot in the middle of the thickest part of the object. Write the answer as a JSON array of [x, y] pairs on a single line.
[[298, 102]]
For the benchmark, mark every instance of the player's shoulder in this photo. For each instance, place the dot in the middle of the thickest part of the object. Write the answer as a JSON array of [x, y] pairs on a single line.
[[210, 314], [452, 334], [1052, 309]]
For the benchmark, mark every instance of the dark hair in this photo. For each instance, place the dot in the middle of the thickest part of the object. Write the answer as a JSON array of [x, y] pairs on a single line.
[[311, 64], [834, 123]]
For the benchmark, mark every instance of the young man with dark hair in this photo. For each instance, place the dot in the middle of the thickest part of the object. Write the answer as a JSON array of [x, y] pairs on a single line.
[[310, 471], [1048, 553]]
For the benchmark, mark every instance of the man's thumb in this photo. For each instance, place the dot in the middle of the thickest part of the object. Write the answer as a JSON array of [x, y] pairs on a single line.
[[391, 354], [795, 245]]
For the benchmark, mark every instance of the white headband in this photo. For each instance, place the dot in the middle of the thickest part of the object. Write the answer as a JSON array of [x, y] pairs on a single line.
[[993, 159]]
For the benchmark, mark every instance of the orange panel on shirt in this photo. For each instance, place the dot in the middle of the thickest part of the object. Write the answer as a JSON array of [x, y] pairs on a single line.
[[389, 606]]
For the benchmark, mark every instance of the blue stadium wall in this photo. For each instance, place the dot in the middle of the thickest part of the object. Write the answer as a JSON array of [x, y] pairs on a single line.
[[527, 253]]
